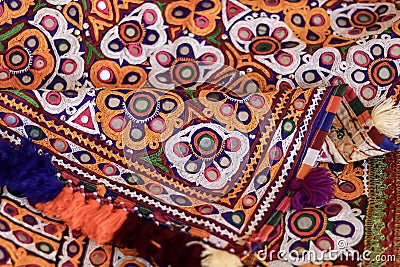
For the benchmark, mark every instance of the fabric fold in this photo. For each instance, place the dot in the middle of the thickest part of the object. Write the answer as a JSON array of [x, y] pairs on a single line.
[[353, 135]]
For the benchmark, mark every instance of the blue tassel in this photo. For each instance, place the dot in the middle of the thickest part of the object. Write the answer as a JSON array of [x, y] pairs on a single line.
[[28, 173]]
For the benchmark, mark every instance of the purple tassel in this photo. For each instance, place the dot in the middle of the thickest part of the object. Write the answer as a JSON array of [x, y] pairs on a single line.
[[315, 190], [28, 173]]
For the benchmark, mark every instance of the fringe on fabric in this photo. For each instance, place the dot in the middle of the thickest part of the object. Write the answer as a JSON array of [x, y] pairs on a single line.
[[158, 243], [29, 172], [98, 222], [386, 118]]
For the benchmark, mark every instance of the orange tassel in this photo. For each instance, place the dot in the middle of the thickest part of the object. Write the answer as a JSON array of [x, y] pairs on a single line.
[[57, 205], [84, 214], [107, 228], [69, 210], [97, 221]]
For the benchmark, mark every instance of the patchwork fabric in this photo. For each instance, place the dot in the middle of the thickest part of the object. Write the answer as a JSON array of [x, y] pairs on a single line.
[[207, 159]]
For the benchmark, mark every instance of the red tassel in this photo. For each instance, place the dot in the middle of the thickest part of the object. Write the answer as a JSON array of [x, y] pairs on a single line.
[[164, 246]]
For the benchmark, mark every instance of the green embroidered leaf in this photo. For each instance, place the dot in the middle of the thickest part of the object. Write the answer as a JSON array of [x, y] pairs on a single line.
[[84, 4], [158, 153], [344, 49], [212, 38], [39, 5], [24, 96], [91, 49], [357, 201], [388, 31], [11, 32], [161, 6], [154, 160], [312, 48], [191, 94]]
